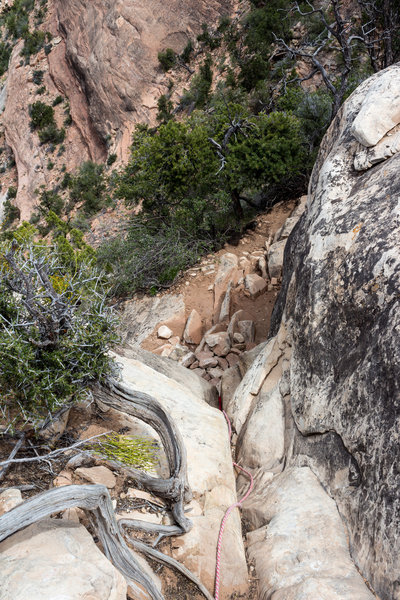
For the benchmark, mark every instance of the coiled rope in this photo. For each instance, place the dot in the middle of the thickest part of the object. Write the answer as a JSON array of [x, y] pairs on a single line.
[[226, 516]]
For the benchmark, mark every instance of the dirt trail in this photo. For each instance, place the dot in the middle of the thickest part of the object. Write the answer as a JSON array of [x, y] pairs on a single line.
[[196, 285]]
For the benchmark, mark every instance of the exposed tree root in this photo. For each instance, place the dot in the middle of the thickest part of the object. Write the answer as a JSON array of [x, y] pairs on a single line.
[[96, 501]]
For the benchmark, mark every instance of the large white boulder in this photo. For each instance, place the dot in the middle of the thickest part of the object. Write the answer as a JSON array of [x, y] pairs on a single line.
[[57, 560]]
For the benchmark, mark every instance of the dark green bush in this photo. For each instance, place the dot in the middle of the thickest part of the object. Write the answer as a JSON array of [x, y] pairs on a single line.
[[11, 192], [50, 200], [167, 59], [88, 187], [33, 43], [42, 115], [57, 100], [187, 52], [11, 214], [164, 106], [51, 134], [5, 53], [54, 333], [149, 259], [111, 159]]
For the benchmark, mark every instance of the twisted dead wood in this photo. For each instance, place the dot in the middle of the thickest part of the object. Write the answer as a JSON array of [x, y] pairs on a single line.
[[96, 501]]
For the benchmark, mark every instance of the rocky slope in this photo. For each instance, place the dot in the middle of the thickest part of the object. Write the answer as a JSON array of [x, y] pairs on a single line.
[[103, 62]]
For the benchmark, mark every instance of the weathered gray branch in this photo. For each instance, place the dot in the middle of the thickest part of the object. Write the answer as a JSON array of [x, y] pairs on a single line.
[[96, 501], [175, 489]]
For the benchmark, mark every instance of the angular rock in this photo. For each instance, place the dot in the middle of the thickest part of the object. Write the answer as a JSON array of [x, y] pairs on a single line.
[[139, 318], [223, 363], [262, 265], [101, 475], [194, 365], [238, 337], [227, 271], [8, 499], [178, 352], [225, 311], [188, 359], [247, 330], [208, 362], [164, 332], [215, 372], [193, 329], [379, 111], [275, 259], [254, 285], [232, 359], [219, 342], [56, 558], [291, 565]]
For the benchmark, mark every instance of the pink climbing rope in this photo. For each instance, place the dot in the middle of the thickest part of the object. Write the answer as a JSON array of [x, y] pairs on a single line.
[[228, 512]]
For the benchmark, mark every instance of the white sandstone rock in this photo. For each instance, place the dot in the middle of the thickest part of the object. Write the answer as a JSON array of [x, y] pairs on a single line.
[[57, 560]]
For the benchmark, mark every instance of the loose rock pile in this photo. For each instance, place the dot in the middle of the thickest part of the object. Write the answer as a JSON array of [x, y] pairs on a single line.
[[212, 352]]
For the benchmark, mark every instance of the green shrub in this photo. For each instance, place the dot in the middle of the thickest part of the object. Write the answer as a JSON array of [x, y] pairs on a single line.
[[5, 53], [149, 258], [41, 90], [51, 134], [11, 214], [33, 43], [211, 40], [37, 77], [11, 192], [187, 52], [50, 200], [88, 187], [164, 106], [167, 59], [111, 159], [54, 332], [57, 100], [42, 115]]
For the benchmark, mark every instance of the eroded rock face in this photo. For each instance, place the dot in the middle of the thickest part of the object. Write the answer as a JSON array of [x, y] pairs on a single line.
[[113, 46], [340, 303]]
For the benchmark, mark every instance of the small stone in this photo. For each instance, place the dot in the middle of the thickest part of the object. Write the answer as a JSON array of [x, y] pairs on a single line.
[[207, 376], [238, 338], [193, 329], [274, 281], [254, 285], [161, 349], [9, 499], [219, 342], [188, 359], [216, 381], [174, 340], [210, 288], [202, 354], [235, 351], [63, 478], [223, 363], [194, 364], [164, 332], [215, 372], [101, 475], [199, 372], [187, 283], [178, 352], [240, 347], [232, 359], [207, 363]]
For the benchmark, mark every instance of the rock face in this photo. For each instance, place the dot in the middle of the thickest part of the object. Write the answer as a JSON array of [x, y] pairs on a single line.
[[112, 47], [342, 309], [57, 559], [327, 384]]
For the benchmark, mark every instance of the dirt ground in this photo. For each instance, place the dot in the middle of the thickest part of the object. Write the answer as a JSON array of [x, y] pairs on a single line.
[[196, 284]]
